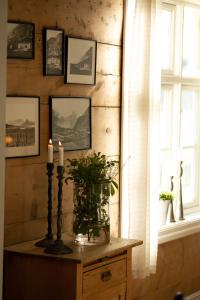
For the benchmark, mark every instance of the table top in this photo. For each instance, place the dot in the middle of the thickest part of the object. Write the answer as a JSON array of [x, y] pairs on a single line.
[[81, 254]]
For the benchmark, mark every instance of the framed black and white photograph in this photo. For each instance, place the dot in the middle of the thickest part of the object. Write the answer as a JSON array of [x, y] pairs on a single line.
[[20, 40], [22, 126], [80, 61], [53, 52], [70, 122]]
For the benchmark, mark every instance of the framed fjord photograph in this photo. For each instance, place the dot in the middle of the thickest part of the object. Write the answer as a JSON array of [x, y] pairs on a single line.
[[53, 52], [70, 122], [22, 126], [20, 40], [80, 61]]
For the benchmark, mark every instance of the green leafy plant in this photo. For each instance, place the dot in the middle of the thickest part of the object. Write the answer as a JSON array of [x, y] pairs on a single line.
[[94, 182], [166, 196]]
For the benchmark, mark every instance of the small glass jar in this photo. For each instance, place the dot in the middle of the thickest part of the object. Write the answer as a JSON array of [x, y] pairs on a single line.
[[91, 213]]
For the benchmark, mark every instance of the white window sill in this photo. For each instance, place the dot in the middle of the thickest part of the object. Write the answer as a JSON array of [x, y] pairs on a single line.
[[179, 229]]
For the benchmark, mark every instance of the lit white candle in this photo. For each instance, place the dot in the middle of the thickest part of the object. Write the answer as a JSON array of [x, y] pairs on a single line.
[[50, 152], [61, 154]]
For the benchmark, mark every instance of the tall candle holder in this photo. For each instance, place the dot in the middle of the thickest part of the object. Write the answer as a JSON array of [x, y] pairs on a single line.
[[58, 246], [171, 216], [49, 236], [181, 214]]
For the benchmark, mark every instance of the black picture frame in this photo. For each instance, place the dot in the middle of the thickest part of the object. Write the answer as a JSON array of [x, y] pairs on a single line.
[[80, 61], [70, 122], [20, 40], [53, 52], [22, 126]]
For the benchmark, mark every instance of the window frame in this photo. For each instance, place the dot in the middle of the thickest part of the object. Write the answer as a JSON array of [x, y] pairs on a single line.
[[173, 77]]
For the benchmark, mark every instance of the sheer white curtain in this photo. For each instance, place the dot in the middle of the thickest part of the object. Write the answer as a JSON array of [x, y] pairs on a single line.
[[140, 131]]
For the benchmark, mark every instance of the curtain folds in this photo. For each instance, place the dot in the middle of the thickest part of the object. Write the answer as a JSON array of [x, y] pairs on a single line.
[[140, 131]]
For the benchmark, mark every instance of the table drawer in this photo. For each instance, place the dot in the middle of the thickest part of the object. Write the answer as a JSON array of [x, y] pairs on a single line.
[[103, 277]]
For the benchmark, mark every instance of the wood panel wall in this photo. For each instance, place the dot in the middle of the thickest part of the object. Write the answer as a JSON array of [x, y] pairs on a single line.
[[178, 269], [26, 180]]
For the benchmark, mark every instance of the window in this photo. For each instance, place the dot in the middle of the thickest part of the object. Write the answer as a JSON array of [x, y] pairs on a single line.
[[180, 100]]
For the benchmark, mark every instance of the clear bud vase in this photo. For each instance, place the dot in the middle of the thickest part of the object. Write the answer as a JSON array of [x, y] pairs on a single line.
[[91, 213]]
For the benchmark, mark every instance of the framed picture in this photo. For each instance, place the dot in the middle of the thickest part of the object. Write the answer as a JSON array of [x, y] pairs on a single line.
[[22, 126], [80, 61], [20, 40], [70, 122], [53, 52]]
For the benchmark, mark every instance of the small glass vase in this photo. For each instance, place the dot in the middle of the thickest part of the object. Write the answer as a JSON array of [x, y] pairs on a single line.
[[91, 214]]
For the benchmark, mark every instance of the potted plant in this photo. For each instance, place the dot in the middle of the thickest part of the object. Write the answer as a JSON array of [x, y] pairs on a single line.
[[94, 182], [166, 198]]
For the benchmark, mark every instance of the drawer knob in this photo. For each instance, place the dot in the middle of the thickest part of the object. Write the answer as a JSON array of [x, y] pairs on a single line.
[[105, 276]]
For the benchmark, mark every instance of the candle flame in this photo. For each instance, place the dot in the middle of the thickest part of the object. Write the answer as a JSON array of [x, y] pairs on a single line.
[[59, 143], [50, 142]]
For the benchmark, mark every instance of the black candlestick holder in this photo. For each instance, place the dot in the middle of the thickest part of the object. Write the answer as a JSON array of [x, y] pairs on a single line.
[[58, 246], [48, 240]]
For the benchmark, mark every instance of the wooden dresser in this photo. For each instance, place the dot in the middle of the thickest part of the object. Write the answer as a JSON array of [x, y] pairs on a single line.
[[100, 272]]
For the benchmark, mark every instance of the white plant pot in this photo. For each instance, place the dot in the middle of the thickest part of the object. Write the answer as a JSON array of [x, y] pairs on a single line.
[[164, 206]]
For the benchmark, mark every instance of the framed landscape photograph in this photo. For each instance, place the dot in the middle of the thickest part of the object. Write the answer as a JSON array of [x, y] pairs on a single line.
[[80, 61], [70, 122], [22, 126], [53, 52], [20, 40]]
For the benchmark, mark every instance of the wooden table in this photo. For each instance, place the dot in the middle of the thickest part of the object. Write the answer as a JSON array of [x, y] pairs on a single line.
[[100, 272]]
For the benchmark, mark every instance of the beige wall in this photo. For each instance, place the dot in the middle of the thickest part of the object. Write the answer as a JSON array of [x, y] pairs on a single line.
[[26, 180], [3, 20]]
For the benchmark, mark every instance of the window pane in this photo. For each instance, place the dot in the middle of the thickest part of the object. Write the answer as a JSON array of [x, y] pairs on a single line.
[[190, 175], [166, 117], [191, 38], [189, 117], [167, 39], [165, 171]]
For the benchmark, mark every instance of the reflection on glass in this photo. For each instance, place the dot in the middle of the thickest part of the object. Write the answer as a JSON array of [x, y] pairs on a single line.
[[166, 39], [190, 63]]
